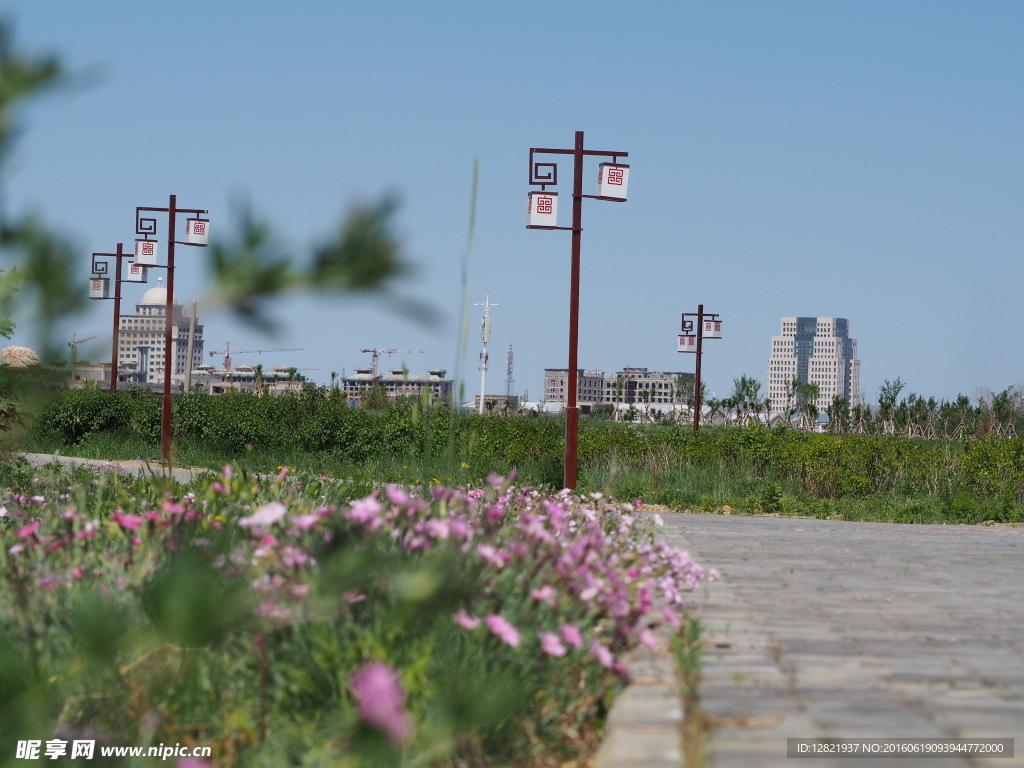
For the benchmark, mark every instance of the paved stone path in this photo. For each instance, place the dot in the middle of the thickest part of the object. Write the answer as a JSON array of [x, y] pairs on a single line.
[[141, 468], [856, 630]]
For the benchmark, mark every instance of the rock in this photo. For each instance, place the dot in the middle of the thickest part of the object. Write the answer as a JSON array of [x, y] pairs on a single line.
[[18, 357]]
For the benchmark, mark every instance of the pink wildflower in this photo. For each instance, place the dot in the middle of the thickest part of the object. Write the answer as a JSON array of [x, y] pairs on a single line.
[[492, 555], [465, 620], [28, 530], [551, 644], [545, 594], [192, 762], [572, 636], [273, 611], [268, 514], [173, 509], [646, 638], [366, 511], [131, 522], [505, 631], [397, 495], [380, 700], [603, 654], [670, 616], [305, 522]]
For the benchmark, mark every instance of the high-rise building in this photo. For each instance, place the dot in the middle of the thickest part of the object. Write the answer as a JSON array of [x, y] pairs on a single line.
[[814, 350], [141, 342]]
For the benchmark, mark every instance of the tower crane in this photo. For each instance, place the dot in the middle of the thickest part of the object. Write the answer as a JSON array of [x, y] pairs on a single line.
[[227, 353], [378, 352], [74, 351]]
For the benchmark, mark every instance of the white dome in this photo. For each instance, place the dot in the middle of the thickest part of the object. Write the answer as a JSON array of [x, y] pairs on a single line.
[[156, 295]]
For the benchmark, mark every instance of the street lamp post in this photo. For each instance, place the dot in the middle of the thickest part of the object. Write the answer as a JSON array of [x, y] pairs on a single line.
[[146, 252], [542, 212], [708, 327], [99, 289]]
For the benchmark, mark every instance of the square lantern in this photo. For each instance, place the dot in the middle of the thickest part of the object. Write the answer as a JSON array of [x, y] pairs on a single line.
[[136, 273], [612, 181], [146, 252], [99, 288], [542, 210], [197, 232], [687, 343], [712, 329]]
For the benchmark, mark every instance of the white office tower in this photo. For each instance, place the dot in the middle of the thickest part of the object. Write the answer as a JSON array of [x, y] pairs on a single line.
[[814, 350], [141, 338]]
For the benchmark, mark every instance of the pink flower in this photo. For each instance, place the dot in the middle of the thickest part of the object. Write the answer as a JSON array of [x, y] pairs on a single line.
[[397, 495], [131, 522], [268, 514], [305, 522], [647, 639], [603, 654], [380, 700], [173, 509], [551, 644], [545, 594], [28, 530], [572, 636], [492, 555], [670, 616], [502, 629], [465, 620], [366, 511], [273, 611]]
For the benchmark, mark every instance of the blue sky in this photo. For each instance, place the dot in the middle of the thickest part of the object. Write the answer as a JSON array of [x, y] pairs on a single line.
[[860, 160]]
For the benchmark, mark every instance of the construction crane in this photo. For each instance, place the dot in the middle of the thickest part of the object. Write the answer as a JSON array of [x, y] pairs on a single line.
[[227, 353], [74, 351], [378, 352]]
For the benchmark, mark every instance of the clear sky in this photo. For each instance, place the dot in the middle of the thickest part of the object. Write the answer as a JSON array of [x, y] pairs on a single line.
[[851, 159]]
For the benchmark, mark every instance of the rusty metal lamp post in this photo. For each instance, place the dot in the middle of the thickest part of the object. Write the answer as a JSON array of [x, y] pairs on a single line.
[[99, 288], [708, 327], [197, 232], [542, 213]]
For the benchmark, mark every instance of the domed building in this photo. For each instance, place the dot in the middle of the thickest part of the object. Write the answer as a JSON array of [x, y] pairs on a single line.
[[140, 342]]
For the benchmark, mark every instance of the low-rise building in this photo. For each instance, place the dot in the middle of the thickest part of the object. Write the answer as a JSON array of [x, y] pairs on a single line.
[[399, 383], [664, 389]]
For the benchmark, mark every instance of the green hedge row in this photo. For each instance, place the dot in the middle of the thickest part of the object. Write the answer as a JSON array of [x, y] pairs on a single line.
[[319, 422]]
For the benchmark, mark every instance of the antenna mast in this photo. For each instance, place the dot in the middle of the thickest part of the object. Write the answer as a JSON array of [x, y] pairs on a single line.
[[485, 336], [509, 381]]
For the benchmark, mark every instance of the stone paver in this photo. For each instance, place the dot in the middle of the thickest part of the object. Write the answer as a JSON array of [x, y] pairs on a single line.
[[857, 630]]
